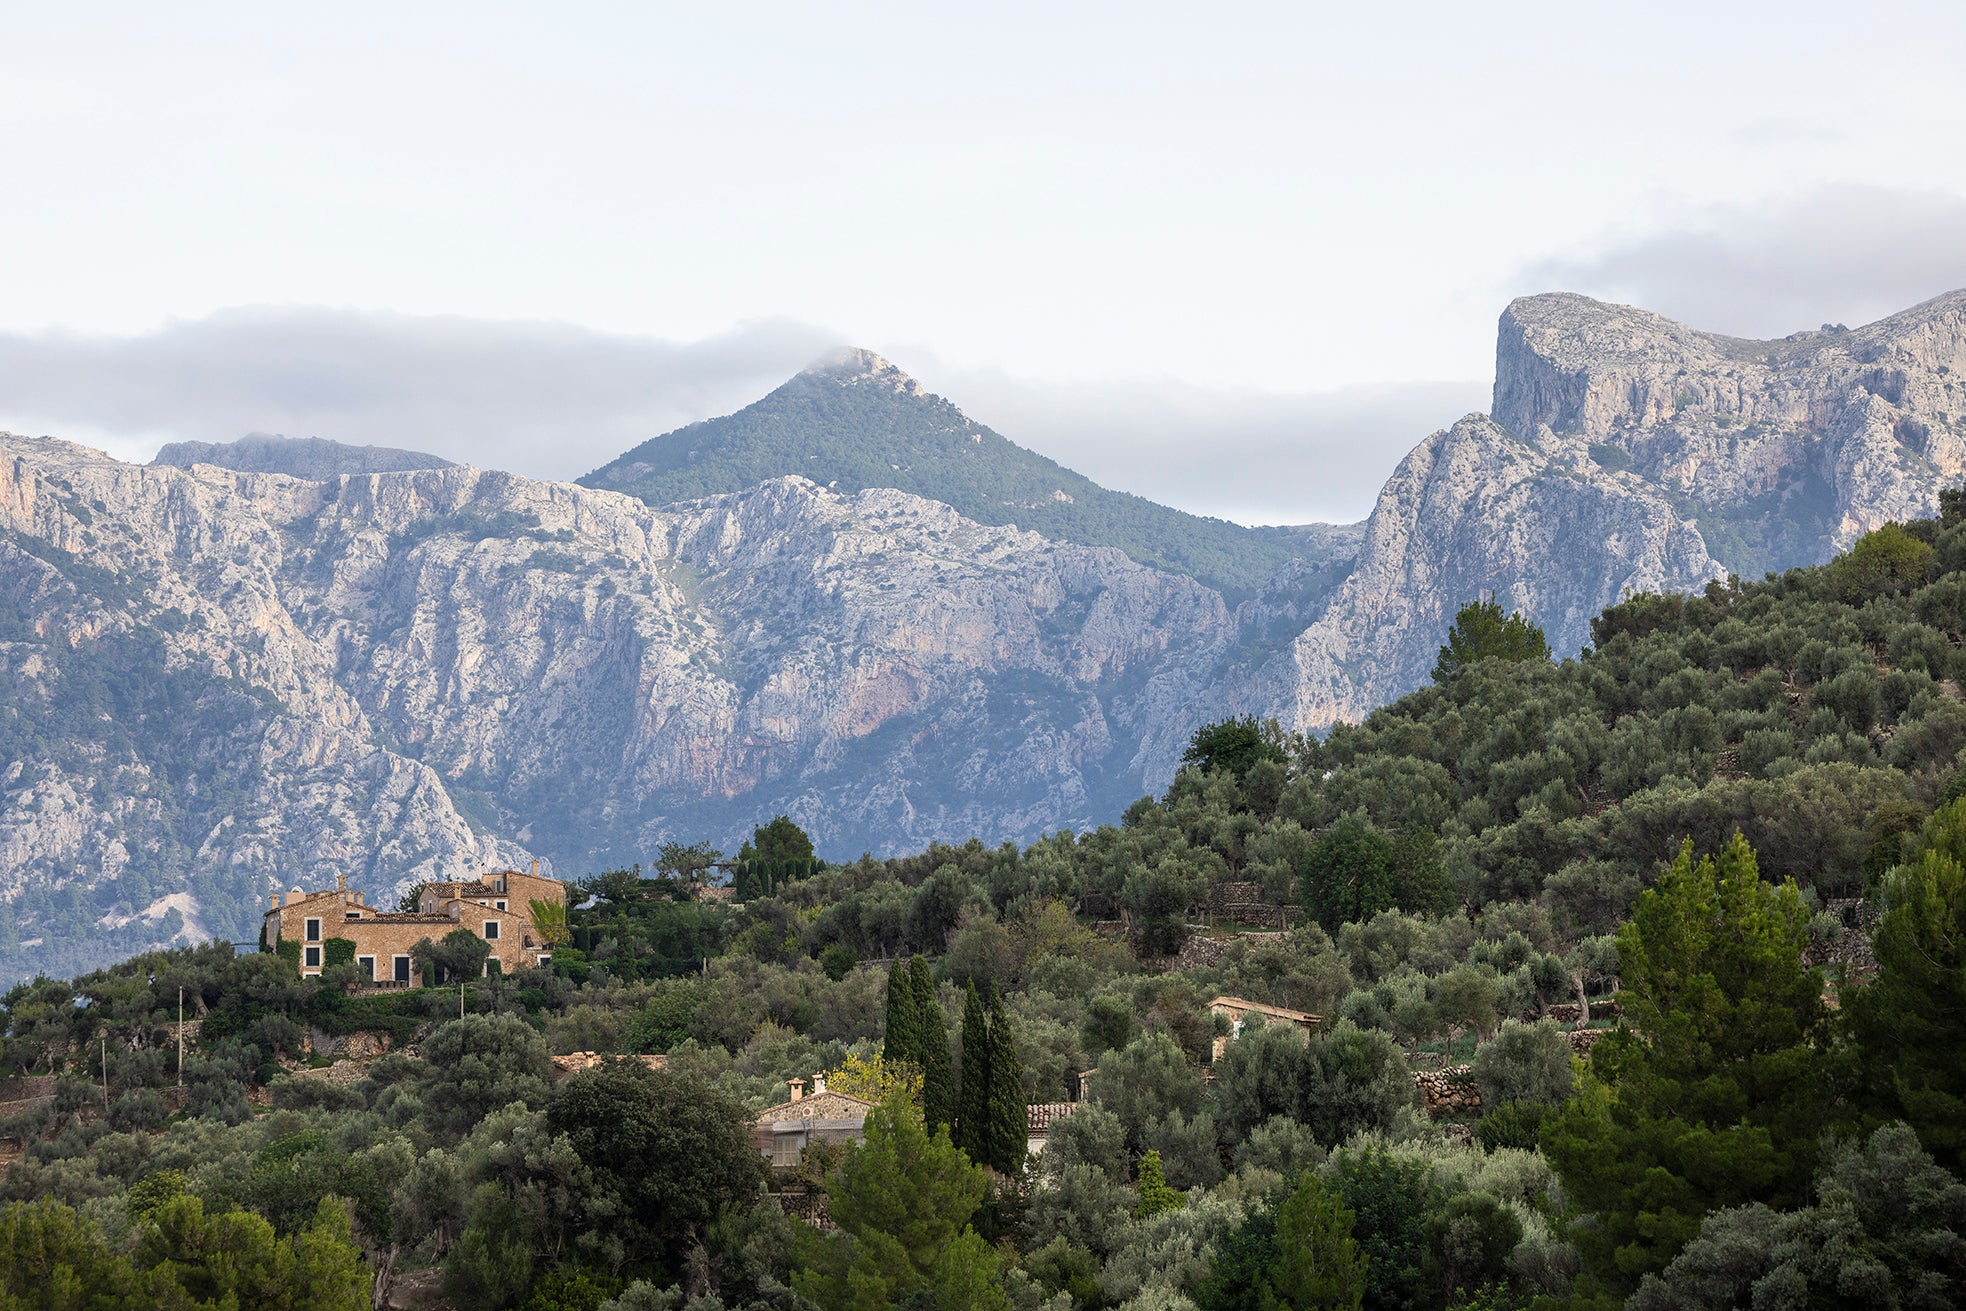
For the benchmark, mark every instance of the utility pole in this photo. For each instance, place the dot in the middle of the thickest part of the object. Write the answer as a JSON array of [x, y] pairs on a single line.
[[105, 1070], [460, 998], [180, 1035]]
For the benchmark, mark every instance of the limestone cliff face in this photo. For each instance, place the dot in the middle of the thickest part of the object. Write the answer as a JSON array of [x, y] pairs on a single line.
[[1861, 426], [1473, 510], [260, 681], [1627, 452], [215, 682]]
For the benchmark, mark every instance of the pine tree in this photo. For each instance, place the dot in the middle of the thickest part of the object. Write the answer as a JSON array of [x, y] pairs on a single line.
[[973, 1097], [1009, 1132], [1318, 1263], [1910, 1023], [932, 1049], [1713, 1097], [1482, 632], [902, 1037]]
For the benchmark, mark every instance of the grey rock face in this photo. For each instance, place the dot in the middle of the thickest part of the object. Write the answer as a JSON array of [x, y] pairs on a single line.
[[220, 682], [407, 674], [1631, 453]]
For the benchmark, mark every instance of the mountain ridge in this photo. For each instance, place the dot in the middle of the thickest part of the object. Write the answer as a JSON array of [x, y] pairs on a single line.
[[299, 457], [1661, 456], [853, 420], [220, 681]]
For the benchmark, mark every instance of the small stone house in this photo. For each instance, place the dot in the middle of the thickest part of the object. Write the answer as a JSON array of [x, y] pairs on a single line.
[[1237, 1011], [1038, 1119], [497, 908], [782, 1132]]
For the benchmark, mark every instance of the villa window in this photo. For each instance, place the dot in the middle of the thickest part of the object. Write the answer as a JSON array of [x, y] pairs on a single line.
[[313, 930], [313, 958], [367, 964], [501, 905], [402, 971], [491, 930]]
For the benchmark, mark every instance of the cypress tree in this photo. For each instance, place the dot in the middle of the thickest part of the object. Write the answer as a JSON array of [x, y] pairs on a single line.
[[902, 1037], [973, 1098], [1009, 1130], [932, 1053]]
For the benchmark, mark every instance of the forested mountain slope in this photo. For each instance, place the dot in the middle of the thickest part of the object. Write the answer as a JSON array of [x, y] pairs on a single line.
[[219, 681], [1770, 1097], [300, 457], [855, 421]]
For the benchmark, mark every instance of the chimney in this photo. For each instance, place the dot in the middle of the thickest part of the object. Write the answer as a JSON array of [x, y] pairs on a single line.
[[1085, 1082], [535, 867], [818, 1084], [798, 1087], [273, 897]]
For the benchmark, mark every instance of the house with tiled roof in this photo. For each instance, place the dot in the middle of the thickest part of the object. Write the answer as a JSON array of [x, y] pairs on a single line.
[[1038, 1119], [1238, 1010], [338, 923], [781, 1133]]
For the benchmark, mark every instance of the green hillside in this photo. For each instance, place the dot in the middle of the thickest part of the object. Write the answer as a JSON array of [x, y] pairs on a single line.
[[856, 422], [1639, 856]]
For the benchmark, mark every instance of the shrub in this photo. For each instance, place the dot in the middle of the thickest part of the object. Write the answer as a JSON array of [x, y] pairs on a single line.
[[1524, 1062]]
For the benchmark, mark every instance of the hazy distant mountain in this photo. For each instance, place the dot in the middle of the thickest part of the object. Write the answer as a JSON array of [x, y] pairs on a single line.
[[855, 421], [215, 682], [299, 457], [219, 683]]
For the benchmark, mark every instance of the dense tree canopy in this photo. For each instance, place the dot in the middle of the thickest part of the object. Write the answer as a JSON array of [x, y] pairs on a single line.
[[1451, 887], [1713, 1098]]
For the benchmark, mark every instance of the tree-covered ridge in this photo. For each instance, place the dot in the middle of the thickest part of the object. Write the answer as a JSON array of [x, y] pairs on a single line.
[[1733, 1138], [1819, 712], [861, 423]]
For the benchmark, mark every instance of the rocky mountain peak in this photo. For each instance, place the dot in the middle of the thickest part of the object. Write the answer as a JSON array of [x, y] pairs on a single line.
[[853, 366]]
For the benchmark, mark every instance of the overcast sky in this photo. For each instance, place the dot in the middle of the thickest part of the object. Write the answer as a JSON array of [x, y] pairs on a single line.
[[1237, 258]]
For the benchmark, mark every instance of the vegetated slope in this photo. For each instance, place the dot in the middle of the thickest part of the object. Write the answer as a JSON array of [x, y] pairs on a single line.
[[301, 457], [221, 682], [1628, 453], [855, 421], [1819, 712]]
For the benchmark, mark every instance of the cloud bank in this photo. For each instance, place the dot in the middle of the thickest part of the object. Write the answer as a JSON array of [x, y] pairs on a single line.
[[554, 401], [1254, 457], [542, 399], [1838, 254]]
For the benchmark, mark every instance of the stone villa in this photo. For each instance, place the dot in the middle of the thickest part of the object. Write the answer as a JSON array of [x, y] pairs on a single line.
[[497, 908], [1237, 1011], [781, 1133]]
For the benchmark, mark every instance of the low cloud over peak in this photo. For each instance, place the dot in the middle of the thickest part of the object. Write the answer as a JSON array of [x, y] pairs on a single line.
[[1841, 254], [554, 401], [543, 399]]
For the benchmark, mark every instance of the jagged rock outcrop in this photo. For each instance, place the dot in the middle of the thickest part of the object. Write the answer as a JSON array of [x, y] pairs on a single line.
[[260, 681], [1780, 446], [217, 682], [1627, 452]]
